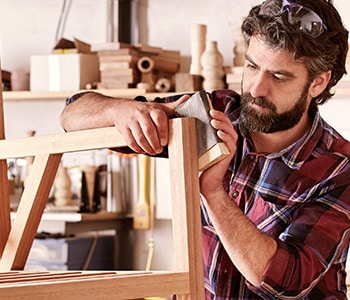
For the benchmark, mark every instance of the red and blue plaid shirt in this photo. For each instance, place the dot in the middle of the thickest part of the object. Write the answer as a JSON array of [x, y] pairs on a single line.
[[300, 197]]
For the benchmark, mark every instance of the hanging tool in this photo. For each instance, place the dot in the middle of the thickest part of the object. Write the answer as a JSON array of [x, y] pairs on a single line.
[[152, 187], [141, 208]]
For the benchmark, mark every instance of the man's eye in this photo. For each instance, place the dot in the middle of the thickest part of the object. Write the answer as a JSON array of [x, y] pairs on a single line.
[[279, 77], [251, 67]]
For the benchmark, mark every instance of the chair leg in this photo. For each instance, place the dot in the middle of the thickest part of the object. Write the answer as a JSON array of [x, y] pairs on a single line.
[[183, 165], [30, 209], [5, 221]]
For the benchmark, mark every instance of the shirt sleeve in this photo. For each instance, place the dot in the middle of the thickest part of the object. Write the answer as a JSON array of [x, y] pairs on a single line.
[[74, 97], [313, 248]]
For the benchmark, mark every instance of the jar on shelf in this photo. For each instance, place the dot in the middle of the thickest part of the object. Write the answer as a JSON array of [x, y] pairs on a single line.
[[212, 67]]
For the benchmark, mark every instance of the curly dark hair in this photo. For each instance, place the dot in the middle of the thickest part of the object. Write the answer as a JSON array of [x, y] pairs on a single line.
[[325, 52]]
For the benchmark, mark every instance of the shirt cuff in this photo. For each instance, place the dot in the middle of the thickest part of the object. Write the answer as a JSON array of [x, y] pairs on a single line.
[[74, 97], [277, 277]]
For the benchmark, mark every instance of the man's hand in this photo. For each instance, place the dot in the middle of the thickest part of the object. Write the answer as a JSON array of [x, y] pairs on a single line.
[[144, 125], [211, 179]]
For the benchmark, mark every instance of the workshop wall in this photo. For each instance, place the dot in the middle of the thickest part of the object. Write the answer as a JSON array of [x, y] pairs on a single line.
[[29, 27]]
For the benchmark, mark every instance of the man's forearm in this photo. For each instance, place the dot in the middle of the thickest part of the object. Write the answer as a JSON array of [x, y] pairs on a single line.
[[89, 110], [249, 249]]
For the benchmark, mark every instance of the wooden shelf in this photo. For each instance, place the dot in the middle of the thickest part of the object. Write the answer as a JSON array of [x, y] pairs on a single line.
[[342, 91], [35, 96]]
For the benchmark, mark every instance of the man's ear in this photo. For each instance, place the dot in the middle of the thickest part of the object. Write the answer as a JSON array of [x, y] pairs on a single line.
[[320, 83]]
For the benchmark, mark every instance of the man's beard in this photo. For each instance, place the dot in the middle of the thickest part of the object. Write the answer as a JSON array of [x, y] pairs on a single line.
[[270, 121]]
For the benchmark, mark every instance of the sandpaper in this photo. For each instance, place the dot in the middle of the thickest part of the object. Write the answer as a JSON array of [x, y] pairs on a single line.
[[210, 147]]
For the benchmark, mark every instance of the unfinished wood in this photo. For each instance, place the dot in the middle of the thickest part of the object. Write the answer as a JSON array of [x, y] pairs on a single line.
[[185, 82], [212, 156], [5, 221], [91, 139], [2, 123], [186, 281], [30, 209], [33, 96], [54, 96], [94, 285], [186, 214]]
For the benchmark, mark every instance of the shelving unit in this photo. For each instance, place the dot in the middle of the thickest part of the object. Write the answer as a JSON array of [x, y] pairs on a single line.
[[36, 96]]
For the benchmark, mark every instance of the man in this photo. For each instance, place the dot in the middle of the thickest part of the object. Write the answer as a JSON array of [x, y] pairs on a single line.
[[275, 213]]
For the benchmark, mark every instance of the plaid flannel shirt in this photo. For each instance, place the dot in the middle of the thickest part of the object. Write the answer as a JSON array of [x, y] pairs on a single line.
[[300, 197]]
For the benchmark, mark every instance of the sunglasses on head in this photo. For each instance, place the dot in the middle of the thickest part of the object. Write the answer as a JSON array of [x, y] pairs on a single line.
[[308, 21]]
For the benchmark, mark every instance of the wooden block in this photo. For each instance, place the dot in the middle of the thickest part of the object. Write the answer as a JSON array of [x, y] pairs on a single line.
[[109, 46], [173, 55], [116, 65], [147, 49], [114, 85], [163, 85], [210, 148], [167, 65], [118, 58], [185, 82], [131, 74], [122, 51]]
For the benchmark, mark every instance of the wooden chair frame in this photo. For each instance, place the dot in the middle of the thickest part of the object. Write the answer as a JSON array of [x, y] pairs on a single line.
[[186, 281]]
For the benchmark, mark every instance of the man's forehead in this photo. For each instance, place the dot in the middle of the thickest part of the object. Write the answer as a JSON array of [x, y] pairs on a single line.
[[261, 53]]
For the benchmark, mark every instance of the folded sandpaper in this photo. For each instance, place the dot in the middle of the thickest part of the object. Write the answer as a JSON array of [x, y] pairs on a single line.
[[198, 106]]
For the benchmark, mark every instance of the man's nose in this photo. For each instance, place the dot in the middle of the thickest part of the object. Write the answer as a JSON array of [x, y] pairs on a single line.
[[259, 86]]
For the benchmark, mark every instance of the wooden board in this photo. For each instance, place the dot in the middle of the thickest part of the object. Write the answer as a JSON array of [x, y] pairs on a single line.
[[72, 285]]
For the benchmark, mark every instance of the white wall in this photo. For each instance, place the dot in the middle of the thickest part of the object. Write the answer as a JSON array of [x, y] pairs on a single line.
[[28, 27]]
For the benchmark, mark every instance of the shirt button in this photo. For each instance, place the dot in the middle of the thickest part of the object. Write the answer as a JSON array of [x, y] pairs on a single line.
[[252, 157], [224, 271], [235, 194]]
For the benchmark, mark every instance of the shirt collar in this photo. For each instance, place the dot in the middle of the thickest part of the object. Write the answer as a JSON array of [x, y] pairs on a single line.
[[296, 154]]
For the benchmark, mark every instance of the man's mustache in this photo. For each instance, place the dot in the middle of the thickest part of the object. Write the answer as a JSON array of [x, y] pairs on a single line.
[[260, 101]]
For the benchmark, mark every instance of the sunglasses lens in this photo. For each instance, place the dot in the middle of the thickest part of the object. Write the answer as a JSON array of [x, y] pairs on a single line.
[[314, 29], [308, 21]]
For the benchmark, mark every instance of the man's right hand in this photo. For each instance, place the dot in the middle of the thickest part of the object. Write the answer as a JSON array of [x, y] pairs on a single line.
[[144, 125]]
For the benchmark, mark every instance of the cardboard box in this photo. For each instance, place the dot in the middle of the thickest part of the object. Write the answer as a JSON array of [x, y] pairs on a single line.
[[66, 46], [63, 72], [70, 67]]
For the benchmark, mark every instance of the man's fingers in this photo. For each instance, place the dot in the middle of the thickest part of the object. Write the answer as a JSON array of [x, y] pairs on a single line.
[[148, 132], [146, 129], [170, 107], [130, 140], [160, 122]]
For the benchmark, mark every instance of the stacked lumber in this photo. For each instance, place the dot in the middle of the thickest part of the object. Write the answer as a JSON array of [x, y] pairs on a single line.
[[123, 65], [117, 65], [163, 65], [165, 61]]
